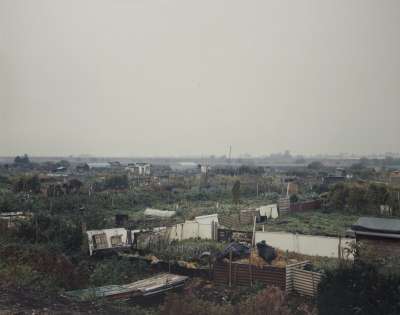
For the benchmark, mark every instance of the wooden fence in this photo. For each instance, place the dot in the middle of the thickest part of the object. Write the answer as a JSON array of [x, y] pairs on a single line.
[[229, 221], [228, 235], [305, 206], [290, 278], [239, 274], [289, 274]]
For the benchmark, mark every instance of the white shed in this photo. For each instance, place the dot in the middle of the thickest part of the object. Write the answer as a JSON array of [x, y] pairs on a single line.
[[159, 213]]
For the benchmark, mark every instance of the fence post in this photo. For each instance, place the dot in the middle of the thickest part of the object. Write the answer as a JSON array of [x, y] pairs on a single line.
[[251, 274], [313, 284], [230, 268]]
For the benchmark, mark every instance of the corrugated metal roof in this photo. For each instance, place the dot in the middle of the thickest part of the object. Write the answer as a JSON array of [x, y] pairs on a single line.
[[380, 225]]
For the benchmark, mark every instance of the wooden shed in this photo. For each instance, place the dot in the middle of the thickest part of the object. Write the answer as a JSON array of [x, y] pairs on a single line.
[[290, 278], [377, 237], [247, 216]]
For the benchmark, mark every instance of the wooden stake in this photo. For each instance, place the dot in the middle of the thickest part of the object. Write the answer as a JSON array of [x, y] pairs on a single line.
[[230, 268]]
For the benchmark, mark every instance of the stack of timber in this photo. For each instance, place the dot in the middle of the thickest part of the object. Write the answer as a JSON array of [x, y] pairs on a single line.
[[147, 287], [284, 205]]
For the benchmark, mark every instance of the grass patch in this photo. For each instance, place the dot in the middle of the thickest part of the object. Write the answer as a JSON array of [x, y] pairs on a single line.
[[313, 223]]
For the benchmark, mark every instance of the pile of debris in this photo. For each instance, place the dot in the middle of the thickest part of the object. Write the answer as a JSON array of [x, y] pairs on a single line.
[[262, 255]]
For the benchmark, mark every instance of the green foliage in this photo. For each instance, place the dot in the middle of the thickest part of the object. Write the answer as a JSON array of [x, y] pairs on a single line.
[[116, 270], [315, 165], [36, 267], [57, 232], [362, 198], [271, 301], [294, 198], [9, 202], [22, 159], [186, 250], [314, 223], [116, 182], [236, 192], [28, 184], [238, 171], [359, 289]]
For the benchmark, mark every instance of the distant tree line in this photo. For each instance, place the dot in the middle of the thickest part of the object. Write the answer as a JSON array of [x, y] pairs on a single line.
[[30, 184], [112, 182], [238, 171], [22, 159], [362, 197]]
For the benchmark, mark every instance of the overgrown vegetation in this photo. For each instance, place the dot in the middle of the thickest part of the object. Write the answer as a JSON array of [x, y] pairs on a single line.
[[46, 253], [359, 289], [186, 250], [314, 223], [362, 197]]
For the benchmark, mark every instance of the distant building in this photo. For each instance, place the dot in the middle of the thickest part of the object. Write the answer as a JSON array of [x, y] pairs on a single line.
[[377, 237], [60, 169], [98, 165], [139, 169], [205, 169], [190, 167], [340, 172], [333, 179]]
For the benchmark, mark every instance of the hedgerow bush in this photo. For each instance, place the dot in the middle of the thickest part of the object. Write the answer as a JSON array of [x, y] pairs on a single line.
[[359, 289]]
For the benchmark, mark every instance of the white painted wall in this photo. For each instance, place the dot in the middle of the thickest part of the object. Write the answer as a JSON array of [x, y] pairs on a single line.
[[207, 219], [304, 244], [205, 223], [200, 227]]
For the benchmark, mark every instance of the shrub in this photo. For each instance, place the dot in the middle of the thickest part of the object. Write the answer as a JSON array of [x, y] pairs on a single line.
[[359, 289], [270, 301]]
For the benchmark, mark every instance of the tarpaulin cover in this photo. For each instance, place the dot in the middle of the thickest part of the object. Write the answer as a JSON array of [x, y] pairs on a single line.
[[265, 251], [238, 251]]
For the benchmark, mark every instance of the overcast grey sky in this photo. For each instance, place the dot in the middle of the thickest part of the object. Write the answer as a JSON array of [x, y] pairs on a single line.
[[174, 77]]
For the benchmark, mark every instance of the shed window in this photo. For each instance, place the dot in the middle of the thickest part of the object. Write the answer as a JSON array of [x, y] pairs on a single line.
[[116, 240], [100, 241]]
